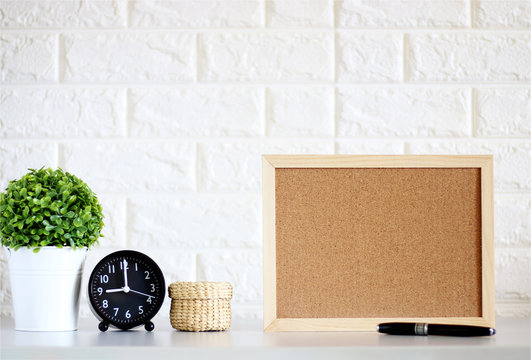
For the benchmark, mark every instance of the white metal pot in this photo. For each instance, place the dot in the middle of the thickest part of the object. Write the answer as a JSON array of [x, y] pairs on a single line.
[[45, 287]]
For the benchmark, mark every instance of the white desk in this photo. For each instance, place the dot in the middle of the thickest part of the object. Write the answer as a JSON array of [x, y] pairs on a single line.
[[245, 340]]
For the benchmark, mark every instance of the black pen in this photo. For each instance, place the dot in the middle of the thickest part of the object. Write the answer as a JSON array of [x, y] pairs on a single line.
[[433, 329]]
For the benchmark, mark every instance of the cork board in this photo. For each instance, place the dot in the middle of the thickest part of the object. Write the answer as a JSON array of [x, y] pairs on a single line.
[[352, 240]]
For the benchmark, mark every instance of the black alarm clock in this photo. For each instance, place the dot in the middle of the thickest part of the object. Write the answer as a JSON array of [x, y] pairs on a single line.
[[126, 289]]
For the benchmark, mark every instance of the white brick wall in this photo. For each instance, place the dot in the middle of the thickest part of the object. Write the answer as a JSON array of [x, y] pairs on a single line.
[[165, 107]]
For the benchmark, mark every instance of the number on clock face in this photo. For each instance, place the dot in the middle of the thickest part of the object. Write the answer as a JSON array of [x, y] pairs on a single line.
[[126, 290]]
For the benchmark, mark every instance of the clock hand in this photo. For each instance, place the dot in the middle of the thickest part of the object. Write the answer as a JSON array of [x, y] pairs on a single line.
[[138, 292], [126, 286], [114, 290]]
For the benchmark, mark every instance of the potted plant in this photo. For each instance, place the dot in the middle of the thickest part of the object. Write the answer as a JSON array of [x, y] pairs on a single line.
[[48, 221]]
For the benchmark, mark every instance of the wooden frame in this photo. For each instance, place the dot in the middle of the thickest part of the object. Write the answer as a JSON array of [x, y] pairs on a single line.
[[271, 164]]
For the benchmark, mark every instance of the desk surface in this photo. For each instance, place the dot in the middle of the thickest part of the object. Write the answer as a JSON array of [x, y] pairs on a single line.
[[246, 340]]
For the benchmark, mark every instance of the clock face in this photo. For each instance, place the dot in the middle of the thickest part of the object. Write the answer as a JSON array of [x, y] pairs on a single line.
[[126, 289]]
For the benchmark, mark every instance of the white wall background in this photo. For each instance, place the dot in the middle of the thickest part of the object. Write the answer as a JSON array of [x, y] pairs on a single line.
[[164, 108]]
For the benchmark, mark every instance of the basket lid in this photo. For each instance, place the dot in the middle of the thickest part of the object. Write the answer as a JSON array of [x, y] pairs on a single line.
[[200, 290]]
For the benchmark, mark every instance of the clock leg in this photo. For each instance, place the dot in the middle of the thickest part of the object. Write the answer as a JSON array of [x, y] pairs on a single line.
[[103, 326], [149, 326]]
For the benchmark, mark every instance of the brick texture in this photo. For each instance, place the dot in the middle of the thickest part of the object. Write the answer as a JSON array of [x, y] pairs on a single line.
[[115, 57], [403, 112], [231, 111], [469, 57], [266, 56], [28, 58], [300, 13], [368, 57], [512, 220], [233, 222], [17, 157], [236, 166], [502, 14], [196, 14], [399, 14], [52, 112], [511, 169], [132, 166], [164, 108], [503, 112], [300, 111], [62, 13]]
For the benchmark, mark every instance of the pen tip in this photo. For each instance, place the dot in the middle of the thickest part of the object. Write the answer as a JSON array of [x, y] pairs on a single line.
[[492, 331]]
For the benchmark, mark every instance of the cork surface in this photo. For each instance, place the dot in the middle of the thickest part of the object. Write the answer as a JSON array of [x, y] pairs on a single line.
[[378, 242]]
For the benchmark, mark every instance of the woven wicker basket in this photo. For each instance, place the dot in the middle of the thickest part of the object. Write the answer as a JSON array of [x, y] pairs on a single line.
[[200, 306]]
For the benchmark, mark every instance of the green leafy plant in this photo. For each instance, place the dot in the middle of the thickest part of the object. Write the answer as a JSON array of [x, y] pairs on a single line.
[[49, 208]]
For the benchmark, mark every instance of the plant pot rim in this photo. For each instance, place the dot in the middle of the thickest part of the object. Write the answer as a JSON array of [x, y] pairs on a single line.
[[48, 248]]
